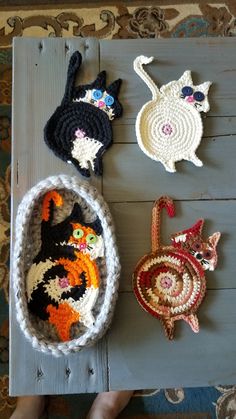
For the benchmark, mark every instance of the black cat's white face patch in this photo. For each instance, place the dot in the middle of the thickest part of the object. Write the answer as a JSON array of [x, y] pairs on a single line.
[[100, 99]]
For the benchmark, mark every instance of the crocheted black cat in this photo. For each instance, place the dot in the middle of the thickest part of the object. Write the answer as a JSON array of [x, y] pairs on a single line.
[[80, 131]]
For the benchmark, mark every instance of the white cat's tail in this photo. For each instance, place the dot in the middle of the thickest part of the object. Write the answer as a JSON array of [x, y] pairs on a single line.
[[162, 202], [138, 68]]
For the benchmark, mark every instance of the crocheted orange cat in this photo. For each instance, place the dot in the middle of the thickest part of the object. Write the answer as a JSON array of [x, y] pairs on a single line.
[[169, 282]]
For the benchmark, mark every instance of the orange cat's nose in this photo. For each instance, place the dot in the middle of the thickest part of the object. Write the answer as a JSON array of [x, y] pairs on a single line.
[[82, 246]]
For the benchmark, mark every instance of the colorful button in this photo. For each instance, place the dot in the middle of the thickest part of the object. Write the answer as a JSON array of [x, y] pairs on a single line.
[[187, 90], [109, 100], [97, 94], [199, 96]]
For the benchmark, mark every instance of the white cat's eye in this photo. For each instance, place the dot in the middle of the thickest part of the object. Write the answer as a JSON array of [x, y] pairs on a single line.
[[187, 90], [199, 96]]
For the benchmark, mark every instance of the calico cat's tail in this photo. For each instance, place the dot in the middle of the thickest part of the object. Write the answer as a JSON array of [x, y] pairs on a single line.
[[52, 197], [74, 65], [168, 204]]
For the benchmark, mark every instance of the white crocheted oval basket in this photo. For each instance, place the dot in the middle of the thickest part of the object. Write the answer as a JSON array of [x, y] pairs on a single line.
[[28, 246]]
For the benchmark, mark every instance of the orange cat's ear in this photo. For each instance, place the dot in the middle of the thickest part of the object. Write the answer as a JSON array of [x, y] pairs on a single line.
[[213, 240]]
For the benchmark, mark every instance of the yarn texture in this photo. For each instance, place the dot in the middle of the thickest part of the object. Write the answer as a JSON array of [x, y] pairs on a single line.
[[80, 131], [169, 283], [65, 265], [169, 127]]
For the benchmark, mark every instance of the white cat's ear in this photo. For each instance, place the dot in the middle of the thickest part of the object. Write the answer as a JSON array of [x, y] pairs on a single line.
[[213, 240], [173, 88]]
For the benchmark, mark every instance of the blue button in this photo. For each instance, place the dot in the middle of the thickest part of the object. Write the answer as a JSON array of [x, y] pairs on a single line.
[[199, 96], [187, 90], [109, 100], [97, 94]]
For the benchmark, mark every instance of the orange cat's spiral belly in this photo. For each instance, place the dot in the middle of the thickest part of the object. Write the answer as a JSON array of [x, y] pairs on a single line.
[[169, 283]]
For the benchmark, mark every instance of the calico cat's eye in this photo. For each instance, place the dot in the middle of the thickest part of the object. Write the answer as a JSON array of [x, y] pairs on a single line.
[[187, 90], [78, 233], [207, 254], [109, 100], [91, 239], [199, 96], [97, 94]]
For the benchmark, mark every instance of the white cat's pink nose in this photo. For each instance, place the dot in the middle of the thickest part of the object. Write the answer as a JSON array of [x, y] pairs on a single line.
[[101, 104], [190, 99]]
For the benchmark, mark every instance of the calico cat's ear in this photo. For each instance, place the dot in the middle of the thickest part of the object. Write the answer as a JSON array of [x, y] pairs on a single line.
[[97, 226], [100, 82], [76, 213], [113, 88], [213, 240], [74, 65]]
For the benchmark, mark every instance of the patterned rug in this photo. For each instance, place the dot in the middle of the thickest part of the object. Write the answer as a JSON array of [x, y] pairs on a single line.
[[131, 19]]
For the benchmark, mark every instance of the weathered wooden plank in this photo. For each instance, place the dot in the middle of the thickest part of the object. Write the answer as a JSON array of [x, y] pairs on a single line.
[[31, 372], [130, 175], [133, 224], [39, 76], [208, 58], [146, 358], [124, 129]]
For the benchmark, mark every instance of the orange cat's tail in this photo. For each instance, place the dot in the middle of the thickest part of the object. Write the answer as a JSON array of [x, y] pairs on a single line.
[[168, 204]]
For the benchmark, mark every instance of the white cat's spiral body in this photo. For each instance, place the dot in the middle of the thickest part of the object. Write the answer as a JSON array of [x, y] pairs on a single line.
[[169, 131], [169, 127]]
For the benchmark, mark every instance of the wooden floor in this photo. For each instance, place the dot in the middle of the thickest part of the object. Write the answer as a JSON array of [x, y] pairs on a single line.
[[135, 353]]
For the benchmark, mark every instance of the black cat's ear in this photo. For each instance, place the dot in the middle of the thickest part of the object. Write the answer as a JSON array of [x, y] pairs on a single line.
[[100, 81], [76, 213], [113, 88], [74, 65]]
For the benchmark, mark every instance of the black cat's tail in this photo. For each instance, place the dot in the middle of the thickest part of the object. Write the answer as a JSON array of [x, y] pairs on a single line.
[[168, 204], [74, 65], [51, 198]]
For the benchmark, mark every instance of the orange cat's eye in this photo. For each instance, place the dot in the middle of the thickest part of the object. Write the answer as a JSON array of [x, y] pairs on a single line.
[[197, 246], [207, 254]]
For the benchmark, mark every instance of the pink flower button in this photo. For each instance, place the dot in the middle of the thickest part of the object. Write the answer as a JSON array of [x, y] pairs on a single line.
[[167, 129]]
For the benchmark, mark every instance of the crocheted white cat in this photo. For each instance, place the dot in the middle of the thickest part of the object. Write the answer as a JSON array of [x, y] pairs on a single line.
[[169, 127]]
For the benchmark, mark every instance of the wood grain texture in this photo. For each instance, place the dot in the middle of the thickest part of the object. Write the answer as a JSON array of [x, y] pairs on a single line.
[[130, 175], [39, 76], [137, 345], [138, 353], [208, 58]]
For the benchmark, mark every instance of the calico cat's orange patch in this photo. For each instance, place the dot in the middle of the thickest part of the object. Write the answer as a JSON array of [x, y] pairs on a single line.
[[63, 317]]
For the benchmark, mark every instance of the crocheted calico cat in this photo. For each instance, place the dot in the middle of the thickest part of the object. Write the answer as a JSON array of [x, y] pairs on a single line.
[[170, 282], [63, 281], [80, 131], [169, 127]]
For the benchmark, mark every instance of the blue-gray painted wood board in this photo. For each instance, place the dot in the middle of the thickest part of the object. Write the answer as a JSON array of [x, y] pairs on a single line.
[[135, 353]]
